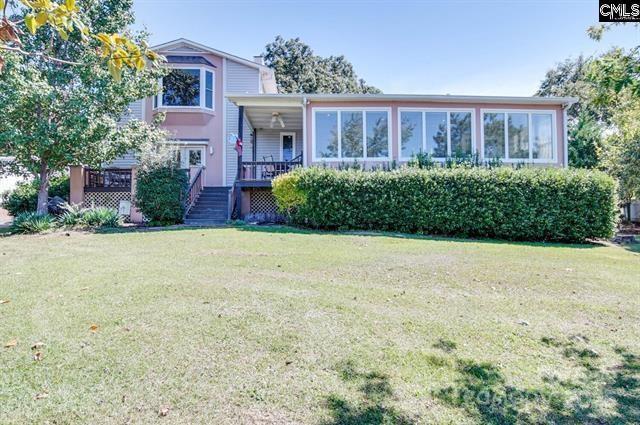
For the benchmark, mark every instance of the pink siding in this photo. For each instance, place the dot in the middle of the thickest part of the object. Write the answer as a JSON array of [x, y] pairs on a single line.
[[190, 124], [477, 107]]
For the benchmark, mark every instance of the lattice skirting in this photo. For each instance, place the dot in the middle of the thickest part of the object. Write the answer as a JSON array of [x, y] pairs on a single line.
[[262, 202], [105, 199]]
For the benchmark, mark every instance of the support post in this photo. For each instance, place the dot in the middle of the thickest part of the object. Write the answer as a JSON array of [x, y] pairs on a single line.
[[239, 173], [76, 182]]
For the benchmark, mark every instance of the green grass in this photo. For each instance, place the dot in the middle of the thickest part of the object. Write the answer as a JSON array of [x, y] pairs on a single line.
[[273, 325]]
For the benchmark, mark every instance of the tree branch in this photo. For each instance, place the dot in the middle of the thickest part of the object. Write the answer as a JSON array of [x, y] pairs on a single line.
[[39, 54]]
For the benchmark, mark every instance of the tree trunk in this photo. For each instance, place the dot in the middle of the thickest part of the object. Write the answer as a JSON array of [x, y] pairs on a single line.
[[43, 190]]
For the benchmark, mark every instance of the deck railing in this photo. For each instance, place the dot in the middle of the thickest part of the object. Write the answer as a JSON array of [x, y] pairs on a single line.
[[107, 180], [268, 170]]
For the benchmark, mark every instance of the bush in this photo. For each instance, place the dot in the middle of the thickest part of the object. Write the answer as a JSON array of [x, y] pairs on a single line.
[[31, 222], [24, 197], [74, 216], [160, 192], [101, 217], [527, 204]]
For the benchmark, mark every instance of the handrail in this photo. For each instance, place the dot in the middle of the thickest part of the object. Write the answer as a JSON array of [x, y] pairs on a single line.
[[195, 187], [267, 170]]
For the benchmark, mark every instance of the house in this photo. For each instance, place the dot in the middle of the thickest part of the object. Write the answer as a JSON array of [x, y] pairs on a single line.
[[234, 132]]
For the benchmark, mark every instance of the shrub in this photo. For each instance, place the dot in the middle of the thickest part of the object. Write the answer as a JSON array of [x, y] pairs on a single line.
[[526, 204], [101, 217], [89, 217], [31, 222], [160, 192], [24, 197], [287, 191]]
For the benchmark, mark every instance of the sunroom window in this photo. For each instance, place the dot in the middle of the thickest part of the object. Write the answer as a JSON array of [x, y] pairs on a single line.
[[351, 134], [438, 133], [188, 88], [519, 136]]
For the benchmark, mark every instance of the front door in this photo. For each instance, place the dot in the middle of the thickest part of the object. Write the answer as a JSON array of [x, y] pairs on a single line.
[[287, 146], [192, 158]]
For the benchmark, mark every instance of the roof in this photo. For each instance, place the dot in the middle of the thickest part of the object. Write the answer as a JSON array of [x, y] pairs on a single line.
[[267, 76], [297, 99], [192, 60], [207, 49]]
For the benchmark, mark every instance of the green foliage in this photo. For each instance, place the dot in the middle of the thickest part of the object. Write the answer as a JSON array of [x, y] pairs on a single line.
[[287, 192], [161, 190], [24, 197], [422, 160], [101, 217], [57, 115], [31, 222], [299, 70], [586, 144], [528, 204]]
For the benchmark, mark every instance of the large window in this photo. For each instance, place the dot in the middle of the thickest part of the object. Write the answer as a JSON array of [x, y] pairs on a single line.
[[351, 134], [440, 133], [519, 135], [187, 88]]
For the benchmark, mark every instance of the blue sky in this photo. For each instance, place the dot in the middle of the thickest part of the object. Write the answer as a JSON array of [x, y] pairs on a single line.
[[488, 47]]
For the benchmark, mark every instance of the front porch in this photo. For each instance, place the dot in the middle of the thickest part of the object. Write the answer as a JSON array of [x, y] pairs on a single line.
[[276, 147]]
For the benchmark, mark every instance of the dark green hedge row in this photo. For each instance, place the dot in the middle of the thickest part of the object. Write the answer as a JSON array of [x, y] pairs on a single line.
[[526, 204]]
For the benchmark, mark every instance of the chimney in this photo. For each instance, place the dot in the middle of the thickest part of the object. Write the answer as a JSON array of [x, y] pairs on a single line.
[[259, 59]]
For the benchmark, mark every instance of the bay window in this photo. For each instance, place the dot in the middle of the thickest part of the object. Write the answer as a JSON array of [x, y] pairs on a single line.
[[187, 88], [350, 134], [526, 136], [439, 133]]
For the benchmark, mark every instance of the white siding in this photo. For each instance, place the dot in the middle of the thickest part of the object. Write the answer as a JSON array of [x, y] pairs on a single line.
[[239, 79], [269, 143], [135, 112]]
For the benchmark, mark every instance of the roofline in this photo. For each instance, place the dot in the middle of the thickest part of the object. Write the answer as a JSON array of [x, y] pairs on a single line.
[[210, 50], [264, 99]]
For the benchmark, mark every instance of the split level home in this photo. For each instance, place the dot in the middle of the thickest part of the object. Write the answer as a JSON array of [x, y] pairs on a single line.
[[234, 133]]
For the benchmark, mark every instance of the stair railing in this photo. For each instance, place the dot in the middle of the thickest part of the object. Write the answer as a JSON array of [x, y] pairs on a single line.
[[195, 187]]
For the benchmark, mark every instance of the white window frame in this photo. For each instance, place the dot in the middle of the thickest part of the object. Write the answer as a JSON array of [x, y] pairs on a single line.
[[530, 113], [203, 88], [448, 111], [293, 146], [339, 158]]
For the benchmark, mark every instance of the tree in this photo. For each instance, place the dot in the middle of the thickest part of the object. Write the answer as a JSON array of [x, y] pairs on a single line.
[[299, 70], [65, 18], [586, 143], [616, 76], [60, 103]]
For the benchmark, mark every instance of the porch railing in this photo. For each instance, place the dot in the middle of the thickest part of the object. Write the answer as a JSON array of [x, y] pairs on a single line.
[[107, 180], [193, 192], [268, 170]]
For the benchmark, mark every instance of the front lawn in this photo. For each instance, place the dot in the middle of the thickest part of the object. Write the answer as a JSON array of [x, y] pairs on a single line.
[[272, 325]]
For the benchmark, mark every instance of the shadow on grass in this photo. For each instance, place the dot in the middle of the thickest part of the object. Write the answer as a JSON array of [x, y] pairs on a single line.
[[284, 229], [597, 397], [281, 229], [373, 408]]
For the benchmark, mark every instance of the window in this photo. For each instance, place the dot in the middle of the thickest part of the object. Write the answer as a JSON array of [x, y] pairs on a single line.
[[410, 134], [187, 88], [519, 135], [351, 134], [493, 135], [439, 133], [191, 157]]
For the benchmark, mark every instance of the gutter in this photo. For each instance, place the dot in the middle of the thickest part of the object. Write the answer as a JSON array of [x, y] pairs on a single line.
[[566, 134]]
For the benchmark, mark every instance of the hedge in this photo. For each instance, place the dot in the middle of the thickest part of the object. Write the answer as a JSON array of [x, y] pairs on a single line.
[[532, 204]]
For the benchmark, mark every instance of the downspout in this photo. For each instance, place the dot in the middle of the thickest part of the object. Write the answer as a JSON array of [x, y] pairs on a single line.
[[304, 132], [566, 135]]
